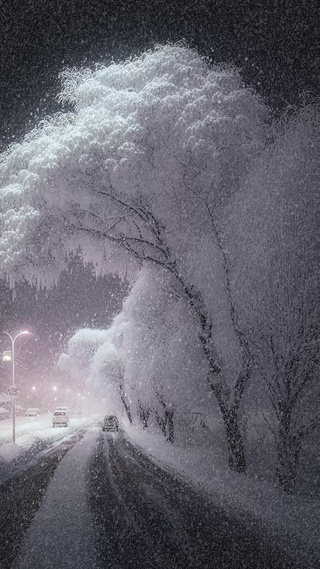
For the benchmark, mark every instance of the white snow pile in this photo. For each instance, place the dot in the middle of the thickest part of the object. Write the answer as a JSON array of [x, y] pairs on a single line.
[[13, 457]]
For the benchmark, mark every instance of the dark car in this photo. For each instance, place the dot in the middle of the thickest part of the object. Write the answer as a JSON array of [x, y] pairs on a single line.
[[110, 423]]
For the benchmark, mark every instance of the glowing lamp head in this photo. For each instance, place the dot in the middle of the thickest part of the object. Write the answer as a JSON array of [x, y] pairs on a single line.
[[6, 357]]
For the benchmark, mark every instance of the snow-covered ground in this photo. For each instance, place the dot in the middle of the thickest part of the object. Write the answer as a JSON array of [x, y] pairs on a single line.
[[24, 426], [291, 521], [33, 434]]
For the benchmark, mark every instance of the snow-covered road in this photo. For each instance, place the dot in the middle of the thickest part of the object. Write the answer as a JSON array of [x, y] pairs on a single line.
[[148, 516], [109, 505], [61, 534]]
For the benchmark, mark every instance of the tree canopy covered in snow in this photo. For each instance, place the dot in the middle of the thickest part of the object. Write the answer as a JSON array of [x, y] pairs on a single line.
[[165, 130]]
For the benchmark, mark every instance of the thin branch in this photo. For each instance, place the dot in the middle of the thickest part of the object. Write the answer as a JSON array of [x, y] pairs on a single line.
[[271, 429], [120, 201]]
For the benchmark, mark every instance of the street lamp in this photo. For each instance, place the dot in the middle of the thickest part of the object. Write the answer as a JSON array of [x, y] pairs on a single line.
[[54, 389], [12, 346], [24, 332], [34, 393]]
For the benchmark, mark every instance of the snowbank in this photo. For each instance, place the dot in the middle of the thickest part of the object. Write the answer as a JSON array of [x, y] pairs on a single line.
[[292, 521], [37, 438]]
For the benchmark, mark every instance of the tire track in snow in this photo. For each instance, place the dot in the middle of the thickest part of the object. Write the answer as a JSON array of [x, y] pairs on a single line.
[[150, 517]]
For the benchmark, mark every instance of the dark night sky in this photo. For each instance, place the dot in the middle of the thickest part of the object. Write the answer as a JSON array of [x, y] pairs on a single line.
[[275, 43], [52, 317]]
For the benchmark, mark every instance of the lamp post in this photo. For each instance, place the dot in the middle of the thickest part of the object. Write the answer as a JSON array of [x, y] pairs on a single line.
[[13, 381]]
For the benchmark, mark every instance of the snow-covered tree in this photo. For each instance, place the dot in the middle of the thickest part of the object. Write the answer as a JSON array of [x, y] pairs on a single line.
[[154, 149], [165, 363], [108, 373], [81, 350], [94, 358], [274, 236]]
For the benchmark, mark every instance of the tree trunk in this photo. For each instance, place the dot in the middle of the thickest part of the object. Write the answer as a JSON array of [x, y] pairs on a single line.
[[288, 449], [237, 458], [127, 408], [235, 444], [162, 424], [170, 426], [144, 414], [125, 404]]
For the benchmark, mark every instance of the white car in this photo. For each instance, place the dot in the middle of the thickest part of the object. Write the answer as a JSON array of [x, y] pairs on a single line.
[[32, 412], [60, 418]]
